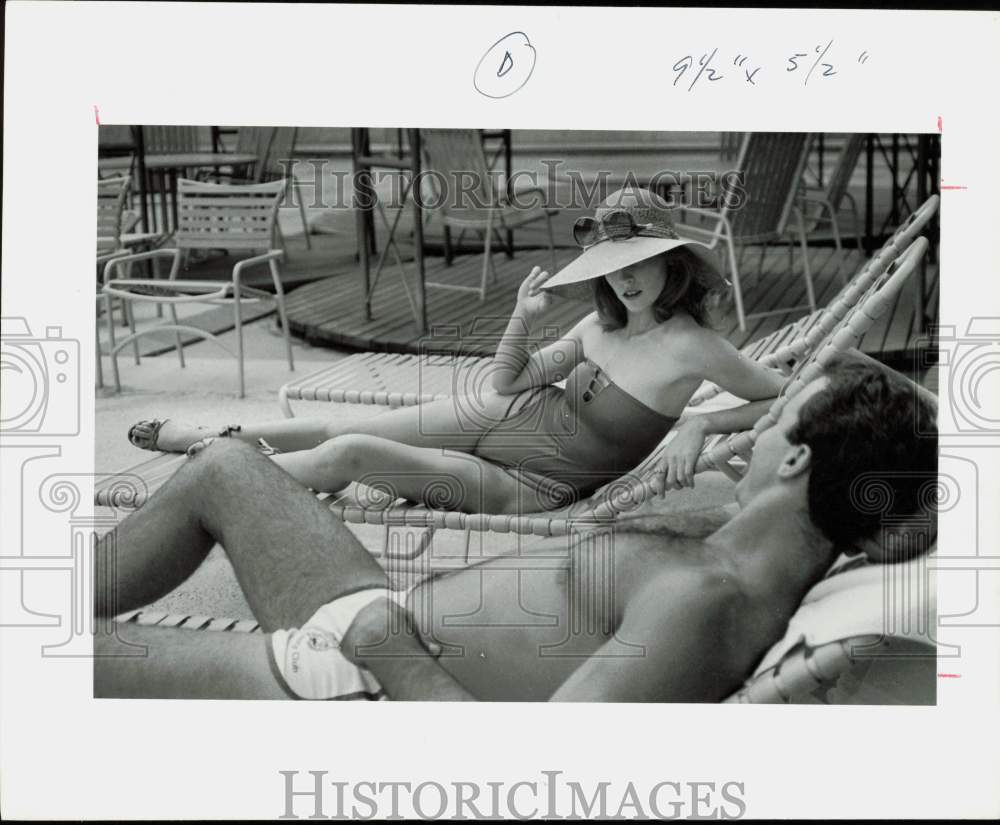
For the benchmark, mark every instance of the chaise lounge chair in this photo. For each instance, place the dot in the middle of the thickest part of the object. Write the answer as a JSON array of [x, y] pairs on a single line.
[[727, 454]]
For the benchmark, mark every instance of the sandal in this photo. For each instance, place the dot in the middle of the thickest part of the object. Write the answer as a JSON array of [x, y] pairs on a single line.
[[144, 435], [266, 449]]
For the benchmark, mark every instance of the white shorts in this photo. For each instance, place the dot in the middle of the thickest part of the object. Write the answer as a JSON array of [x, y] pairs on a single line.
[[308, 661]]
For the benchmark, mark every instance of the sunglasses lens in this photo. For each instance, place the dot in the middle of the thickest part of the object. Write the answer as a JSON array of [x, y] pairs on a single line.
[[618, 224], [585, 231]]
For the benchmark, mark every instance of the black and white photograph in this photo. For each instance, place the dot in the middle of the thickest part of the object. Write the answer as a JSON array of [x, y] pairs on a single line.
[[584, 416], [553, 427]]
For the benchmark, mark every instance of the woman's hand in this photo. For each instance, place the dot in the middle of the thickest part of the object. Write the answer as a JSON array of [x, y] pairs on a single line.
[[676, 468], [531, 299]]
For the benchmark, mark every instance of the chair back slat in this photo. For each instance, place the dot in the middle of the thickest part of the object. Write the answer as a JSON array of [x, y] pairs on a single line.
[[111, 197], [167, 140], [226, 216], [771, 164], [840, 178], [457, 156]]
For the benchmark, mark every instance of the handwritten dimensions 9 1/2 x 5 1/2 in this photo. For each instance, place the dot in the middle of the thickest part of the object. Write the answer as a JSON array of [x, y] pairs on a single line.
[[812, 64]]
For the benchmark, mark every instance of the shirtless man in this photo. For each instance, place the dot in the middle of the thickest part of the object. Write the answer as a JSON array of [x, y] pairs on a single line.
[[612, 615]]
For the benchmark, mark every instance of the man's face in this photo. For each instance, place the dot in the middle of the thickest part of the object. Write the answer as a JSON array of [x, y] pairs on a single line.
[[773, 450]]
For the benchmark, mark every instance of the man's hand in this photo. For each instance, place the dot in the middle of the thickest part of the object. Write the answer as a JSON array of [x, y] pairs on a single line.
[[384, 639]]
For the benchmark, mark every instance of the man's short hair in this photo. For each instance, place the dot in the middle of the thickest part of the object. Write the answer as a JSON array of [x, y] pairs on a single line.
[[873, 439]]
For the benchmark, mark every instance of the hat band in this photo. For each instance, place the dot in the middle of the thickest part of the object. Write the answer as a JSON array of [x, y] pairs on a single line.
[[650, 230]]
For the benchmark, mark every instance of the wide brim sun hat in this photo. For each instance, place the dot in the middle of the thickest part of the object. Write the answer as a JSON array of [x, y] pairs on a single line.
[[631, 225]]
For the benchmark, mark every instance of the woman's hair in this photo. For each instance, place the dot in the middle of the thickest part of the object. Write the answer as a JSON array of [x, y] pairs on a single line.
[[683, 289]]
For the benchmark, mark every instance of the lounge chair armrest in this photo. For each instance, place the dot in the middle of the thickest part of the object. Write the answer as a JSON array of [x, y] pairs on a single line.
[[119, 260]]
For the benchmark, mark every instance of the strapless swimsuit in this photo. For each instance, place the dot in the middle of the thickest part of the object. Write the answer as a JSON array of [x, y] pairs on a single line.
[[567, 443]]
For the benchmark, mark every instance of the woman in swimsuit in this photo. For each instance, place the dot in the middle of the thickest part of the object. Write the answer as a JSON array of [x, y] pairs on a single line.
[[523, 444]]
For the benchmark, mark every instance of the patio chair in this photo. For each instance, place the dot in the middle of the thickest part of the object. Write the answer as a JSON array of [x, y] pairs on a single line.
[[281, 147], [115, 223], [171, 140], [395, 379], [113, 219], [457, 158], [821, 204], [757, 209], [210, 216], [250, 140], [727, 454]]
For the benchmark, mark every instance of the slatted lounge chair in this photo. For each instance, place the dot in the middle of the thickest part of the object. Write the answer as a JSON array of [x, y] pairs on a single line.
[[858, 637], [211, 216], [727, 454], [404, 379], [844, 632], [782, 347]]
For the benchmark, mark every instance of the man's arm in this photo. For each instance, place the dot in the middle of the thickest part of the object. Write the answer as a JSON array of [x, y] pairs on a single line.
[[684, 621], [384, 639]]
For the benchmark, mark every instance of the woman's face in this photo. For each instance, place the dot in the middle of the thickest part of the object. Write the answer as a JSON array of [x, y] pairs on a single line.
[[638, 286]]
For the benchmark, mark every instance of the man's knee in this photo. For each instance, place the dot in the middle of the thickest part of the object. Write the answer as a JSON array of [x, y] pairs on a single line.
[[223, 458]]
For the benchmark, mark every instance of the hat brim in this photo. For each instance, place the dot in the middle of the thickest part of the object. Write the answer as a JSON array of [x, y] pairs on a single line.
[[573, 280]]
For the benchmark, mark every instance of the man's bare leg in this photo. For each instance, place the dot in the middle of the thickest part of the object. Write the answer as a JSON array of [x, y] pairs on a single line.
[[185, 664], [289, 552], [291, 555]]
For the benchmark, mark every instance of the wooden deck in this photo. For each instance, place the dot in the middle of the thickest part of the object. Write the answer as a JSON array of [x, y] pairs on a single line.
[[329, 312]]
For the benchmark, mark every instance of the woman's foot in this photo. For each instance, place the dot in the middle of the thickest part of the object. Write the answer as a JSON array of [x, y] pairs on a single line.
[[172, 436], [262, 446]]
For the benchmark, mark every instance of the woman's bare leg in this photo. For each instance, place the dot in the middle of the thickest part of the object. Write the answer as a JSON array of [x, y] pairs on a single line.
[[452, 423], [442, 479]]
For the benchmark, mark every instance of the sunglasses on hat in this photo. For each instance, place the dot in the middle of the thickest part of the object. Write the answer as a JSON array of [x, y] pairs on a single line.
[[615, 226]]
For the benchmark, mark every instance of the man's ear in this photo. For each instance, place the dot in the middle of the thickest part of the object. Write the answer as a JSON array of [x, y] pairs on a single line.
[[797, 460]]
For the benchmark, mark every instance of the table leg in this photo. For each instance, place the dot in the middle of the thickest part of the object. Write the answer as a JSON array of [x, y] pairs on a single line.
[[161, 184], [173, 196]]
